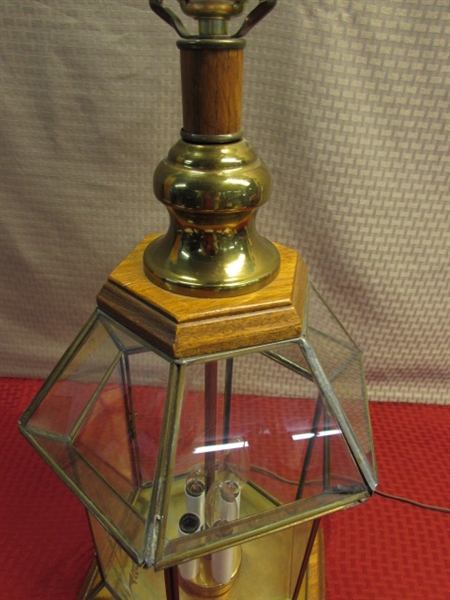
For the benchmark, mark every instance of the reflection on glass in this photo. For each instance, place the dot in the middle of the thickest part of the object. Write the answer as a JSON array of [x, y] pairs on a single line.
[[234, 467]]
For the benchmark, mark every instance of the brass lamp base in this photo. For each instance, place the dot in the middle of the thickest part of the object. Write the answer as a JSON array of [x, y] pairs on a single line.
[[262, 560], [204, 585]]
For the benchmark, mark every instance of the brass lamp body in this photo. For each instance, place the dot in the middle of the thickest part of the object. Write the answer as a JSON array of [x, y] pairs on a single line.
[[212, 182]]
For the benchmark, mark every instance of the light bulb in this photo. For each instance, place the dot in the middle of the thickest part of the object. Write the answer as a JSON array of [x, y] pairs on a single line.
[[194, 492], [221, 508], [234, 467]]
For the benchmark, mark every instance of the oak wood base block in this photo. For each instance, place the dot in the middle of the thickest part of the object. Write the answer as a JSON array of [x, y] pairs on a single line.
[[183, 326]]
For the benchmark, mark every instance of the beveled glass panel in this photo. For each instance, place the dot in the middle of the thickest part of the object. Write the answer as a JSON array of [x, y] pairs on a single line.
[[252, 442], [279, 449], [97, 421], [68, 394], [341, 360]]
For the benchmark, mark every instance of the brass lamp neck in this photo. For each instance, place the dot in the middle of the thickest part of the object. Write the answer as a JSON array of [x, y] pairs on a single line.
[[212, 182], [212, 16]]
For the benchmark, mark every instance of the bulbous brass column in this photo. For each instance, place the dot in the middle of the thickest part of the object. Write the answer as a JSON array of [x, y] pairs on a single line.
[[212, 182]]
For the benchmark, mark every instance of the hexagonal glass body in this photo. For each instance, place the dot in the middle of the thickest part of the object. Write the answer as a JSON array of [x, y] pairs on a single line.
[[284, 425]]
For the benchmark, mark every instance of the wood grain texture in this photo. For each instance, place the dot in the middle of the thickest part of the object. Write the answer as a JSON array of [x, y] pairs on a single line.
[[211, 82], [184, 326]]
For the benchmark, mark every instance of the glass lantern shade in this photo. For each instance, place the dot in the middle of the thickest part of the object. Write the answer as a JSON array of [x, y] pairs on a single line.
[[143, 438]]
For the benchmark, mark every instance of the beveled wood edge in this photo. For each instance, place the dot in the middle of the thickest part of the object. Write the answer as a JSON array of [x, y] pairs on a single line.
[[129, 275], [142, 319], [206, 336]]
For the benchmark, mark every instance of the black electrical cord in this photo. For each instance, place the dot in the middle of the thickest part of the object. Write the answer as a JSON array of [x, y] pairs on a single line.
[[413, 502], [441, 509]]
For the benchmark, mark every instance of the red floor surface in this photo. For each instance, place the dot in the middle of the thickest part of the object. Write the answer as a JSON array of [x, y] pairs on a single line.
[[382, 550]]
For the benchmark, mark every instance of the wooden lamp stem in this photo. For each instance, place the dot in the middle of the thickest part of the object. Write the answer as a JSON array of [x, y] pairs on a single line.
[[211, 79]]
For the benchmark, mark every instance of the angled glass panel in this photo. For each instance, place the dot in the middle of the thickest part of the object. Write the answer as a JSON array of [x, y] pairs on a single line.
[[257, 423], [341, 361], [98, 420]]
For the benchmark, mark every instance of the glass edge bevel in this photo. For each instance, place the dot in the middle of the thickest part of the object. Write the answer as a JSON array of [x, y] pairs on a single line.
[[59, 368], [136, 337], [331, 311], [86, 501], [97, 561], [159, 506], [343, 501], [306, 307], [288, 364], [95, 396], [367, 415], [216, 356], [334, 405]]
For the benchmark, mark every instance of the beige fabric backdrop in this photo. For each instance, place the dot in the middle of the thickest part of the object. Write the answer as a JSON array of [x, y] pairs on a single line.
[[348, 103]]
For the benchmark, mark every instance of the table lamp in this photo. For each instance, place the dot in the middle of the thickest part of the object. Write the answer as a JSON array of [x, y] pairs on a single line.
[[213, 408]]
